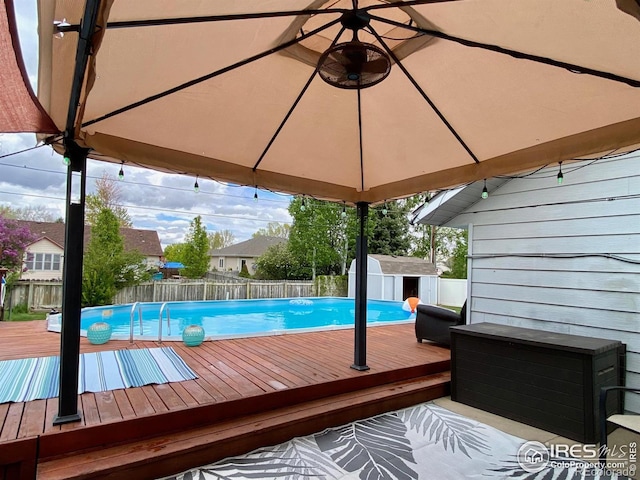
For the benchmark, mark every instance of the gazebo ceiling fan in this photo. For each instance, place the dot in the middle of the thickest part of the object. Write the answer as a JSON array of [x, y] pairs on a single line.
[[354, 64]]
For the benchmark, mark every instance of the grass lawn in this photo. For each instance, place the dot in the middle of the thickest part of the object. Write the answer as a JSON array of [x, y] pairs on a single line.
[[455, 309], [21, 317]]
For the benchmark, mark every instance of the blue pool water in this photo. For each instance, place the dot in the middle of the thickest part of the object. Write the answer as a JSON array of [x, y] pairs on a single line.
[[237, 318]]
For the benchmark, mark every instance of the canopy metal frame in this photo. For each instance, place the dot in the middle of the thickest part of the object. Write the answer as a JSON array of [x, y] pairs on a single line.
[[74, 231]]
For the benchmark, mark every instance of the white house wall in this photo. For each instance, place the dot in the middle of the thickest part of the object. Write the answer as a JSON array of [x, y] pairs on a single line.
[[562, 258], [44, 246]]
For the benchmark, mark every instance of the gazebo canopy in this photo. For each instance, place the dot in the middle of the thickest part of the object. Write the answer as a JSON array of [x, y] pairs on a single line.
[[230, 89]]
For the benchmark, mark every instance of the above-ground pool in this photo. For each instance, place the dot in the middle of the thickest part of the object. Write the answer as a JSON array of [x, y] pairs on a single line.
[[236, 318]]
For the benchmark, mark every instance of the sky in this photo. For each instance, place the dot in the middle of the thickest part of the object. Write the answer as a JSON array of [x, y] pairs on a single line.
[[166, 203]]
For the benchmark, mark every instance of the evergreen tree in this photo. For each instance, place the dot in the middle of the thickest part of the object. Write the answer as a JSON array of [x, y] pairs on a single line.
[[107, 267], [390, 232], [196, 250]]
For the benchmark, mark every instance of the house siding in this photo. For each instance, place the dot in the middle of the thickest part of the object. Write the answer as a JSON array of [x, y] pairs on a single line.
[[562, 258], [44, 246]]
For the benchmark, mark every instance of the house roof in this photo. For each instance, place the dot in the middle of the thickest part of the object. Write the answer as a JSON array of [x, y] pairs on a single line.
[[405, 265], [144, 241], [254, 247], [448, 204]]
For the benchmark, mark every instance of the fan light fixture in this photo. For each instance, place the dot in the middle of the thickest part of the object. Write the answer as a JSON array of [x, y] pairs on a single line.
[[354, 64]]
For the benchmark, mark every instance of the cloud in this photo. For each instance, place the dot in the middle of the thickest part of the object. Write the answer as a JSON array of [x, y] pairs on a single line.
[[157, 201]]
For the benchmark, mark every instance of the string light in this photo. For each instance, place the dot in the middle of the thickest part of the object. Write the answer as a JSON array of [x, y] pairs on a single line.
[[196, 187], [303, 207], [485, 192], [255, 194], [385, 210], [66, 160], [560, 175], [344, 210], [121, 172]]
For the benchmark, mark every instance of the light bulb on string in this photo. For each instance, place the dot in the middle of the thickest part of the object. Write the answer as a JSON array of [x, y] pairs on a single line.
[[560, 176], [385, 210], [255, 194], [121, 172], [485, 192], [303, 207], [196, 187], [66, 160], [344, 210]]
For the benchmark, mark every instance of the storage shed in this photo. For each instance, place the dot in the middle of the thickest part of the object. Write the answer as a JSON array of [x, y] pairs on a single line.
[[397, 278]]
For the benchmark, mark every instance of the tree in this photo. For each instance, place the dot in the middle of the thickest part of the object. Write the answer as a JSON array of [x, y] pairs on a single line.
[[196, 251], [108, 195], [319, 236], [33, 213], [390, 232], [458, 258], [274, 229], [14, 239], [277, 263], [220, 239], [175, 252], [107, 267]]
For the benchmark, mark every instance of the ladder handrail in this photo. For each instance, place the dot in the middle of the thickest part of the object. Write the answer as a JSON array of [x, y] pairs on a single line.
[[133, 307], [164, 305]]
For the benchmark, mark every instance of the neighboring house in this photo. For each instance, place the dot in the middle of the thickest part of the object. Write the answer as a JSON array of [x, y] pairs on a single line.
[[231, 258], [561, 258], [397, 278], [44, 258]]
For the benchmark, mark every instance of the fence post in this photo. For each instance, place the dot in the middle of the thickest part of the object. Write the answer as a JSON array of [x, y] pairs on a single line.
[[29, 295], [204, 288]]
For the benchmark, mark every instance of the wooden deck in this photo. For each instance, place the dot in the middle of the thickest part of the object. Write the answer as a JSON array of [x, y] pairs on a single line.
[[282, 386]]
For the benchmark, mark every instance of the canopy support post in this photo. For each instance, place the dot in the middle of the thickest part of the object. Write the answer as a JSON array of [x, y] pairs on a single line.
[[72, 285], [74, 230], [360, 354]]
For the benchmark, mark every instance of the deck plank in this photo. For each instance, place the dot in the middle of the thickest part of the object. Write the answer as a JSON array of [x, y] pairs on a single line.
[[243, 371], [33, 416], [11, 425]]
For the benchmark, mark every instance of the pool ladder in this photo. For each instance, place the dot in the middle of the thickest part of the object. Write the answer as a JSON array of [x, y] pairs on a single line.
[[131, 316], [162, 309]]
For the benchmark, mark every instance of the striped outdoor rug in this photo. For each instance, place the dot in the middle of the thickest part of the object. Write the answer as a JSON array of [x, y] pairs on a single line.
[[35, 378]]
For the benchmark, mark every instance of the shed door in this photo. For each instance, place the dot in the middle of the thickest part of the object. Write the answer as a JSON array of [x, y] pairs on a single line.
[[409, 287]]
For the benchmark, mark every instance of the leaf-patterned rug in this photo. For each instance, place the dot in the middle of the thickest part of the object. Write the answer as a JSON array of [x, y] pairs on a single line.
[[422, 442]]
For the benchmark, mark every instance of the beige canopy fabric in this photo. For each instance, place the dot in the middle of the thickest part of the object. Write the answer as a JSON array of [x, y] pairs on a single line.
[[19, 108], [476, 89]]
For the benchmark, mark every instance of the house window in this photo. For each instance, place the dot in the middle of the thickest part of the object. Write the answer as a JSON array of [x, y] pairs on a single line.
[[43, 261], [221, 263]]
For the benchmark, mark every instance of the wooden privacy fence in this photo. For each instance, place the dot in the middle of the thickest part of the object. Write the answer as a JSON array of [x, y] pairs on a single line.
[[47, 295]]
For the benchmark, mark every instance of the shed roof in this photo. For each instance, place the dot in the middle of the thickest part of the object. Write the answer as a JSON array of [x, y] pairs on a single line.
[[394, 265], [254, 247]]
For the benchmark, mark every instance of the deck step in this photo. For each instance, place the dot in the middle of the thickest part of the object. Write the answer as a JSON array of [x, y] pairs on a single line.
[[172, 453]]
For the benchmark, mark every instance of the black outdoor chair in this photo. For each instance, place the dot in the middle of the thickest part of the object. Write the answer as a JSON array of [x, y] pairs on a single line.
[[433, 323], [629, 422]]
